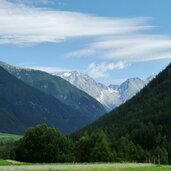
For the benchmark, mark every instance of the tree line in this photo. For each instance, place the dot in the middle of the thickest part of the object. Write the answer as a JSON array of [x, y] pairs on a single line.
[[43, 144]]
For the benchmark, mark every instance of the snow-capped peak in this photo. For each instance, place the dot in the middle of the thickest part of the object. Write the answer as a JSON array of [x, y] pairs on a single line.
[[105, 95], [67, 74], [130, 87]]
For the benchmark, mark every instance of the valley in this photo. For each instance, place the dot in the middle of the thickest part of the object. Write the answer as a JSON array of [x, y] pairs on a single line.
[[85, 85], [129, 133]]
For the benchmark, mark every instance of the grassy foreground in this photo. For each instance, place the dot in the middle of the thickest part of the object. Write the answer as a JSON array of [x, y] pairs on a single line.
[[15, 166]]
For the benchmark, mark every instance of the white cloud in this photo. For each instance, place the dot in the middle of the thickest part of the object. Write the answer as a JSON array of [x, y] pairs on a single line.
[[101, 70], [22, 24], [133, 47]]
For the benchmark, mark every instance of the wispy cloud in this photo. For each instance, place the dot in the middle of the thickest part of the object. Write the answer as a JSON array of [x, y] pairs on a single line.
[[22, 24], [34, 2], [101, 70], [47, 69], [134, 47]]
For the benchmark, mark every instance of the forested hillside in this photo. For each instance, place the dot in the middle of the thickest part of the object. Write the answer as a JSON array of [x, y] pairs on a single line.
[[144, 122]]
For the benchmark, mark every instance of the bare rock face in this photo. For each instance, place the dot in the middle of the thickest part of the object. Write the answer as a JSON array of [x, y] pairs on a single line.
[[109, 96]]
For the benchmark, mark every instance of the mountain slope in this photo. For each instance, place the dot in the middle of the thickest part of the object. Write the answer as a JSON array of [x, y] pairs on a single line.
[[60, 89], [145, 119], [22, 106], [129, 88], [105, 95]]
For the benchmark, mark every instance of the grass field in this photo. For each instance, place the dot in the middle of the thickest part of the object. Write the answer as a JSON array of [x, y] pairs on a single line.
[[83, 167], [6, 137]]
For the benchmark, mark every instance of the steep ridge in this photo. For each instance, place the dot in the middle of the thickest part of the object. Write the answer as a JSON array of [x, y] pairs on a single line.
[[22, 106], [60, 89]]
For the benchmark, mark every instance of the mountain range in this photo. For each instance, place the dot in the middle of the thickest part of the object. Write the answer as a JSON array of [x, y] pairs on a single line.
[[110, 96], [56, 96]]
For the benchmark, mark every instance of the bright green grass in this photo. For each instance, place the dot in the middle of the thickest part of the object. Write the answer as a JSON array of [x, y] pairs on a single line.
[[6, 137], [4, 162]]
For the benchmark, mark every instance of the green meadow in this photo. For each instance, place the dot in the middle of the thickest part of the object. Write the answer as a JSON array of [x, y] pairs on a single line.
[[6, 137], [9, 165]]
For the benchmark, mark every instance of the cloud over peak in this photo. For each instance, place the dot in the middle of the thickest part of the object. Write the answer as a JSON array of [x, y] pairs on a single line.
[[101, 70]]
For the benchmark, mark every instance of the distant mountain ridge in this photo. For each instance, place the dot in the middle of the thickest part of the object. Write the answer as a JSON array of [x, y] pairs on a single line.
[[110, 96], [130, 87], [99, 91]]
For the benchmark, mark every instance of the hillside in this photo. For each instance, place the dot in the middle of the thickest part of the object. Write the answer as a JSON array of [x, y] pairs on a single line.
[[22, 106], [145, 119], [60, 89]]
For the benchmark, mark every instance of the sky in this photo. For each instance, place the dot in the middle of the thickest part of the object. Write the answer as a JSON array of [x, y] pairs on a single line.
[[110, 40]]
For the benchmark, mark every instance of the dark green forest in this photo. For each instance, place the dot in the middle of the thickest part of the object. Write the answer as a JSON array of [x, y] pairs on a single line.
[[43, 144]]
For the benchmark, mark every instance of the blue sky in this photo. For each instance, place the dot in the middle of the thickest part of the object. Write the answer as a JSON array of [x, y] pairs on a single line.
[[111, 40]]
